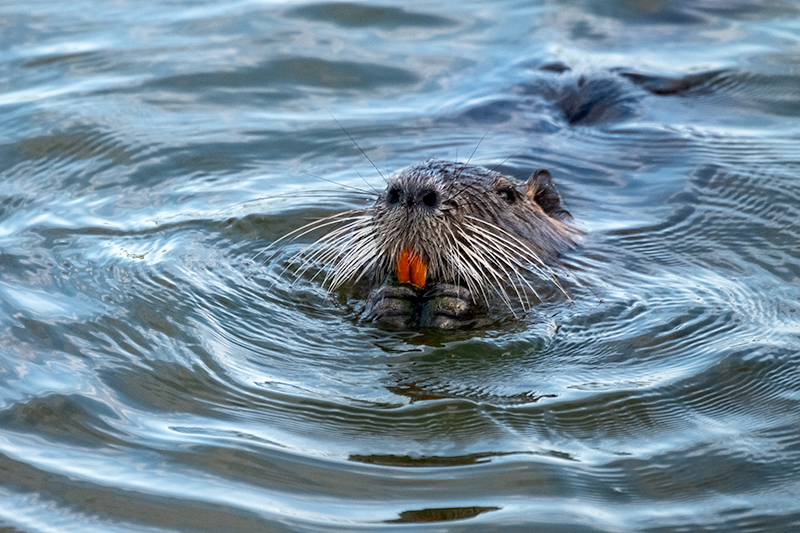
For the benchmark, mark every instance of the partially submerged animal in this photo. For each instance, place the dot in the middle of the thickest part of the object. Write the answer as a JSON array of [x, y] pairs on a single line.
[[445, 241]]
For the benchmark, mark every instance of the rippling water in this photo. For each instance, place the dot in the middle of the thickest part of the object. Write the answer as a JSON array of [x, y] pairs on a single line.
[[154, 376]]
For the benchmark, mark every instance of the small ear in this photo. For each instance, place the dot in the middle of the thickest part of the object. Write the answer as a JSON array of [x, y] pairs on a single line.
[[540, 189]]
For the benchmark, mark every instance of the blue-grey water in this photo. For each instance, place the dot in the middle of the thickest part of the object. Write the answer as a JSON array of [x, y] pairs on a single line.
[[157, 375]]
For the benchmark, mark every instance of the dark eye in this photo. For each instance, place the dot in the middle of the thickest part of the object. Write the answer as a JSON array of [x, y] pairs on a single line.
[[508, 195], [393, 196]]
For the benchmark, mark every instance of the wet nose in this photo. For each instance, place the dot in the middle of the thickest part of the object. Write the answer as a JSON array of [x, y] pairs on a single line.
[[426, 197]]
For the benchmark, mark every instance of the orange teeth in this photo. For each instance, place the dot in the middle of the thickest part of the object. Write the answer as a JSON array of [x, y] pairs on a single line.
[[410, 268]]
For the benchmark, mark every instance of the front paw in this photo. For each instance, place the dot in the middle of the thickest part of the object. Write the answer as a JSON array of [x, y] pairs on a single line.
[[441, 306], [393, 306], [450, 307]]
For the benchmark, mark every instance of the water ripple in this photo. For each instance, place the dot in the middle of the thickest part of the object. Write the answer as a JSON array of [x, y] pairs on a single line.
[[158, 373]]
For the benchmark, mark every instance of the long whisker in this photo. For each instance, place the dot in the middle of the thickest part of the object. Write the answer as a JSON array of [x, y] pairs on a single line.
[[511, 248], [497, 261], [354, 261], [464, 265], [326, 193], [501, 261], [476, 146], [503, 162], [370, 194], [530, 253], [302, 231], [329, 245], [337, 252], [359, 148], [353, 222], [464, 167]]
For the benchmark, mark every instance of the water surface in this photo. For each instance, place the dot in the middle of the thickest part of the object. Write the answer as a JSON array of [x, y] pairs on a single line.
[[154, 376]]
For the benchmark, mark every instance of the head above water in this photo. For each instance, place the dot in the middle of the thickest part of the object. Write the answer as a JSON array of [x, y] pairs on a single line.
[[445, 224], [454, 221]]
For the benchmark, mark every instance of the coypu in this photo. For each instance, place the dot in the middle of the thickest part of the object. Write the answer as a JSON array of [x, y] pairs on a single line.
[[443, 241]]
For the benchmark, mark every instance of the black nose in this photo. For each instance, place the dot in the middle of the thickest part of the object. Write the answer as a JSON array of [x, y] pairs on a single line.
[[394, 195], [426, 197], [429, 198]]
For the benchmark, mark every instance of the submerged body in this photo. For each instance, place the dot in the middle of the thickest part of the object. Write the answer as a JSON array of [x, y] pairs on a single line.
[[446, 241]]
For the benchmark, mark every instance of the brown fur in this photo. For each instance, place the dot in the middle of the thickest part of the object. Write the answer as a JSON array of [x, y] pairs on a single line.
[[460, 196]]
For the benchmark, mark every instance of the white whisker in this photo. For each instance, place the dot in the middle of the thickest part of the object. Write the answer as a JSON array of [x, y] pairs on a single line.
[[478, 234]]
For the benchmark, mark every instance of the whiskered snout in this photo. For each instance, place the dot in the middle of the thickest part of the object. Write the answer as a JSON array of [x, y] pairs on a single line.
[[449, 224]]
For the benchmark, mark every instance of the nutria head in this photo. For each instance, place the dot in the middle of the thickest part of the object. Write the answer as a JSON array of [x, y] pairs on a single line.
[[443, 224]]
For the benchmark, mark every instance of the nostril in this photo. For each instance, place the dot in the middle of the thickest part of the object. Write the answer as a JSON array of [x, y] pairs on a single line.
[[393, 196], [429, 198]]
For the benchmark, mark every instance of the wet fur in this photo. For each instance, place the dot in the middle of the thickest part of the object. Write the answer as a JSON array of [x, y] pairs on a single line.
[[476, 229]]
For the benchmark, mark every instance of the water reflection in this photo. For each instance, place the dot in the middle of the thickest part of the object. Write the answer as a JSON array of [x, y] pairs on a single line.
[[159, 374]]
